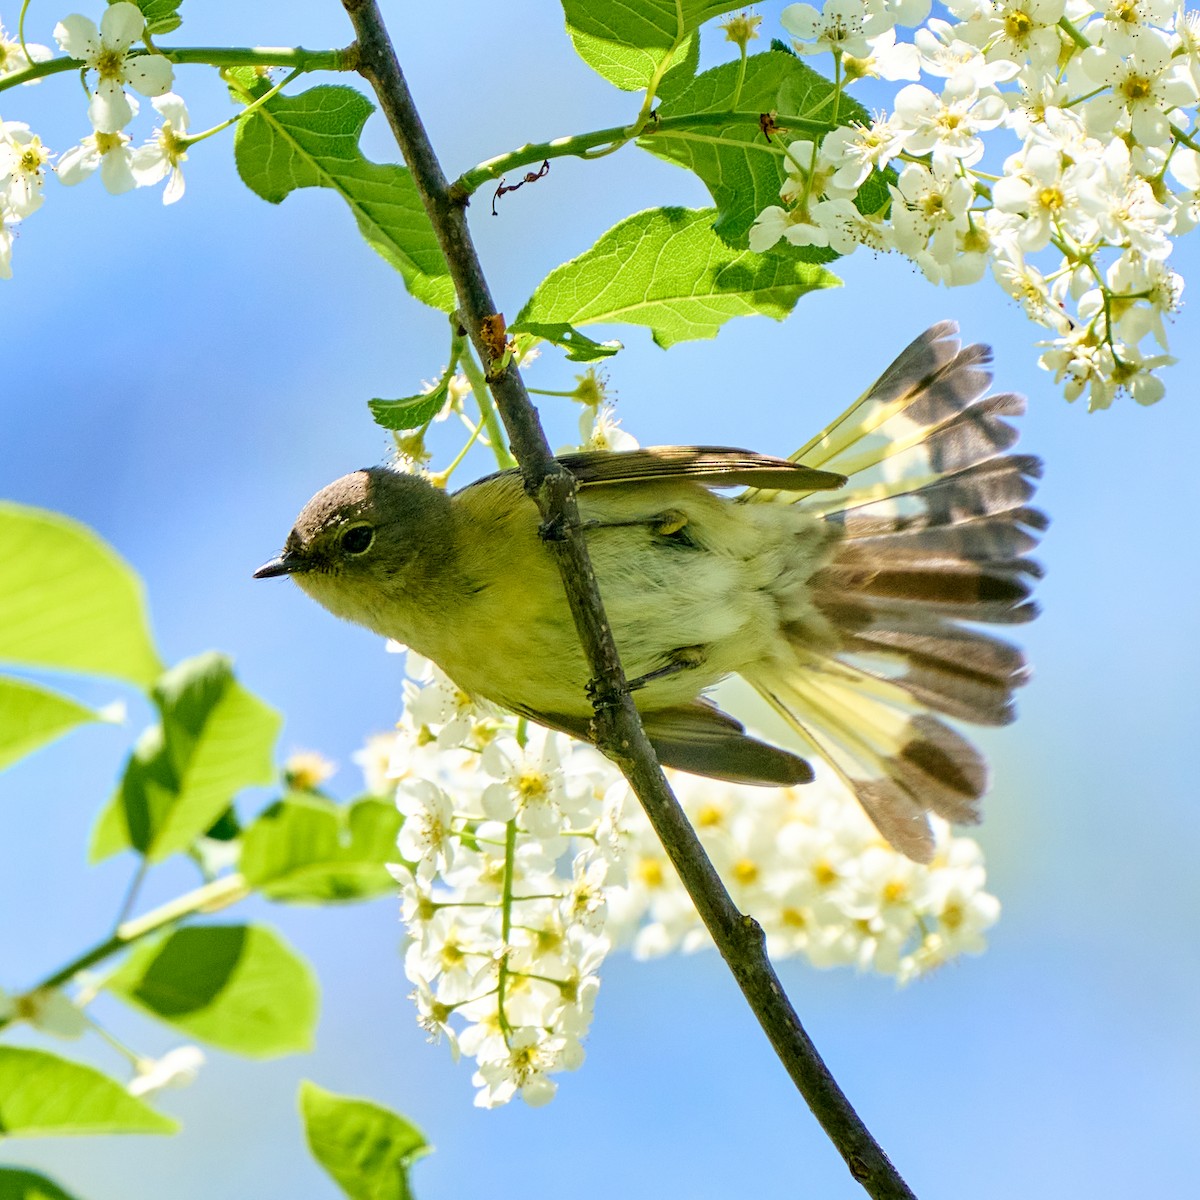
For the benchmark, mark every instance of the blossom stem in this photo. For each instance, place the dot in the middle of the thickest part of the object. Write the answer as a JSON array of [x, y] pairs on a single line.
[[617, 728], [1068, 27], [487, 409], [252, 103], [1181, 135], [741, 79], [510, 863]]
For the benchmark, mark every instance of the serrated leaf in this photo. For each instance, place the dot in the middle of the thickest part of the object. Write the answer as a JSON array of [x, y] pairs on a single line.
[[629, 43], [215, 739], [413, 411], [29, 1185], [68, 601], [579, 347], [41, 1093], [667, 269], [741, 169], [162, 16], [305, 848], [311, 140], [366, 1148], [31, 716], [239, 987]]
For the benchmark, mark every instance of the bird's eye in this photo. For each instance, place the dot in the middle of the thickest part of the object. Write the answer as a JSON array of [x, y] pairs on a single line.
[[357, 539]]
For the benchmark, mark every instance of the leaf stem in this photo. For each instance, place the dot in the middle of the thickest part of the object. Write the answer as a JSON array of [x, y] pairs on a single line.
[[583, 145], [220, 893]]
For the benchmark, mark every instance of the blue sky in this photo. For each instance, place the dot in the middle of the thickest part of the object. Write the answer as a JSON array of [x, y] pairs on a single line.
[[183, 379]]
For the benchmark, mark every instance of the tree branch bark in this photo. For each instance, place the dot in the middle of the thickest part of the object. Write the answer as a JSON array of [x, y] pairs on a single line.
[[617, 726]]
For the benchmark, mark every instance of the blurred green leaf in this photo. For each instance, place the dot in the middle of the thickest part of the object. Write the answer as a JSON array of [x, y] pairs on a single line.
[[31, 716], [41, 1094], [215, 739], [667, 269], [306, 848], [365, 1147], [29, 1185], [162, 16], [628, 43], [742, 170], [68, 601], [239, 987], [311, 140]]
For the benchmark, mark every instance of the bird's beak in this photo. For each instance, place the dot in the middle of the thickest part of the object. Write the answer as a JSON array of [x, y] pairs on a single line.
[[288, 563]]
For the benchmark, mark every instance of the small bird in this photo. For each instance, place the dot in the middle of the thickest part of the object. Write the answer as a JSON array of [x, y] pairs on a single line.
[[843, 584]]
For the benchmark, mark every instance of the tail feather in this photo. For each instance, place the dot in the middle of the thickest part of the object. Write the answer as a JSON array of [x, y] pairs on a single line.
[[935, 527], [899, 765]]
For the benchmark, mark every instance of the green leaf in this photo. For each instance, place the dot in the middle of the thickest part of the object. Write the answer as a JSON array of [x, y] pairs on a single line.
[[68, 601], [162, 16], [216, 738], [41, 1093], [579, 347], [311, 140], [308, 849], [239, 987], [741, 169], [413, 411], [365, 1147], [29, 1185], [667, 269], [629, 43], [31, 716]]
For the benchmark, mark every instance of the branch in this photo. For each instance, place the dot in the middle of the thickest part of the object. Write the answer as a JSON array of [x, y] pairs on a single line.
[[214, 56], [617, 727]]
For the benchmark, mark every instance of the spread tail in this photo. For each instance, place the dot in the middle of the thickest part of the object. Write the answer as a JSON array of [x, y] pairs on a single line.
[[932, 530]]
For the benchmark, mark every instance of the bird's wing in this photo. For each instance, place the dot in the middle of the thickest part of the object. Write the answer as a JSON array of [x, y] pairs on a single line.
[[716, 466], [700, 738]]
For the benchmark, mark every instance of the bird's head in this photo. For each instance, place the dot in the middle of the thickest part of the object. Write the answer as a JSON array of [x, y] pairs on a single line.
[[369, 545]]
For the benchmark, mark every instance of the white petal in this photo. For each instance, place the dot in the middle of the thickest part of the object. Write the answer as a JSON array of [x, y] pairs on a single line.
[[151, 74], [115, 172], [121, 25], [149, 165], [77, 164], [110, 110], [78, 37], [497, 802], [172, 108]]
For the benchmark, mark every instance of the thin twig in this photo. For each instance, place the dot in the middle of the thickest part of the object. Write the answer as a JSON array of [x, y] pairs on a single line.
[[617, 727]]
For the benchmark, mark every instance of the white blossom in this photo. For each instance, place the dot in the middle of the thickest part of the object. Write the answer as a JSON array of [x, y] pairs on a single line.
[[106, 50], [838, 27], [14, 57], [161, 157], [110, 152], [23, 162], [176, 1068]]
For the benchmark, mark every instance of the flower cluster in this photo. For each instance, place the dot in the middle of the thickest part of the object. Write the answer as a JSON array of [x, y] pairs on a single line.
[[506, 849], [112, 63], [1077, 223], [808, 864], [525, 858]]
